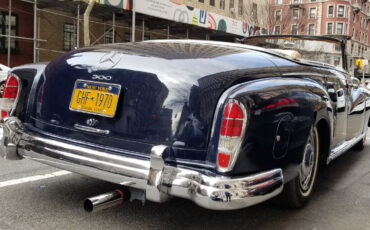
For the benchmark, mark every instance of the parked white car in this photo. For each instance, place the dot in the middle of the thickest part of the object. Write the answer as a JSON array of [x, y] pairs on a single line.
[[3, 74]]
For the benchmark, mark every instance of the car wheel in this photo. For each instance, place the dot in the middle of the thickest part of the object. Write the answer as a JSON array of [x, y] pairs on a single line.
[[297, 192]]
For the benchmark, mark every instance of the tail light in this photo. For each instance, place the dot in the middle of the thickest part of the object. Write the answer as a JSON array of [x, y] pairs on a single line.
[[234, 120], [10, 94]]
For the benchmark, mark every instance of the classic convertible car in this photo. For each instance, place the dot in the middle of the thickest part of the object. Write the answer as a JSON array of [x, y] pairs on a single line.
[[224, 125]]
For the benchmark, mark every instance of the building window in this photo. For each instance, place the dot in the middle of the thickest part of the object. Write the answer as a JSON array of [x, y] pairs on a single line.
[[313, 0], [340, 11], [240, 8], [337, 47], [295, 13], [277, 30], [302, 29], [312, 12], [69, 36], [330, 11], [329, 28], [222, 4], [201, 1], [353, 32], [279, 2], [231, 4], [296, 1], [254, 12], [278, 15], [4, 29], [127, 37], [340, 28], [327, 59], [212, 2], [311, 29], [294, 29], [336, 61], [108, 36]]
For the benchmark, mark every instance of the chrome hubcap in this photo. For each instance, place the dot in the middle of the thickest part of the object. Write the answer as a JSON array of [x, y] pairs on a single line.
[[307, 166]]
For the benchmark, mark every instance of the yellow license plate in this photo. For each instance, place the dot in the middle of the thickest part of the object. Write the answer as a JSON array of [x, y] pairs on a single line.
[[95, 98]]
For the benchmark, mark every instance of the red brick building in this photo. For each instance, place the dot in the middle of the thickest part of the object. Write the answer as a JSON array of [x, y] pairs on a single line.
[[22, 27], [325, 17]]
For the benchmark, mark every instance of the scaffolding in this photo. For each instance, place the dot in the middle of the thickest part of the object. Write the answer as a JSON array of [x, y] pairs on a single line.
[[111, 20]]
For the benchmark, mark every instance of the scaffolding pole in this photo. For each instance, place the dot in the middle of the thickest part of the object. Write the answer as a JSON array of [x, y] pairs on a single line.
[[168, 31], [78, 26], [34, 31], [114, 29], [133, 27], [9, 29], [143, 33]]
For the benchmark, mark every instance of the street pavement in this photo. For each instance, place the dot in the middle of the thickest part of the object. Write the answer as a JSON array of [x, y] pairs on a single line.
[[54, 201]]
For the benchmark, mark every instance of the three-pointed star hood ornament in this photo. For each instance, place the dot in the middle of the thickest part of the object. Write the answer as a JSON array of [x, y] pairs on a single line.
[[109, 60]]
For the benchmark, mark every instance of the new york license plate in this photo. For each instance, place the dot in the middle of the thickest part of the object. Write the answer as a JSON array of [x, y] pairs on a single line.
[[95, 98]]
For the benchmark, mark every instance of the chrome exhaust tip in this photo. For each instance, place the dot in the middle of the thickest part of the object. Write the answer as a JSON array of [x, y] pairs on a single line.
[[106, 200]]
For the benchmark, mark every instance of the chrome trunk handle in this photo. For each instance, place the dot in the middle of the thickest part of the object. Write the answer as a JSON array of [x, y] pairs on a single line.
[[91, 129]]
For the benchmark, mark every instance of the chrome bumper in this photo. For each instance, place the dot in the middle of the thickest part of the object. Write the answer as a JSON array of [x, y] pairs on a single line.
[[158, 180]]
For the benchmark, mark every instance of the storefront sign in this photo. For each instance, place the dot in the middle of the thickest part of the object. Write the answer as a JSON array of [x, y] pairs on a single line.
[[169, 10], [181, 13]]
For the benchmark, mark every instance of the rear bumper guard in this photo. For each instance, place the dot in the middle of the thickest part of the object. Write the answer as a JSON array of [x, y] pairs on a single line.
[[158, 180]]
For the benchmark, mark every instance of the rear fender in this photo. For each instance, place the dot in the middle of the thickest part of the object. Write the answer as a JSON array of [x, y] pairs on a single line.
[[281, 112]]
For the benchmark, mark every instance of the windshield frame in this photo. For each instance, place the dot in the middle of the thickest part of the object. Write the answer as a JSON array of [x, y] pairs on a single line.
[[341, 42]]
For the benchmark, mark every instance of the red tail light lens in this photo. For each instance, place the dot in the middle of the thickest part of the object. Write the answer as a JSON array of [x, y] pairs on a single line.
[[4, 113], [11, 87], [223, 160], [233, 124], [10, 93]]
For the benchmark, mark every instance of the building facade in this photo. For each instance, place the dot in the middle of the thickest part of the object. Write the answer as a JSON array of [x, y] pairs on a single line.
[[21, 32], [337, 18], [59, 24]]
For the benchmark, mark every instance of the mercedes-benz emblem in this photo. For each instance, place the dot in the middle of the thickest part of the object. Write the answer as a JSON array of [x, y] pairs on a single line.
[[92, 122], [109, 60]]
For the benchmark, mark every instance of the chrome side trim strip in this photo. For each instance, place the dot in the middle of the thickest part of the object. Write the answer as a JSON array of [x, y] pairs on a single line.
[[342, 148]]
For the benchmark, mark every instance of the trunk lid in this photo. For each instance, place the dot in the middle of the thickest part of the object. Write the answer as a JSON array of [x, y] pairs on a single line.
[[165, 93]]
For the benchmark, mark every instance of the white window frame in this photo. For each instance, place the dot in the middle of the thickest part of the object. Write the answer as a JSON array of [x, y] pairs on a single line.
[[315, 12], [332, 27], [291, 29], [314, 29], [281, 14], [279, 29], [336, 27], [344, 11], [293, 14], [336, 58], [327, 13], [279, 2]]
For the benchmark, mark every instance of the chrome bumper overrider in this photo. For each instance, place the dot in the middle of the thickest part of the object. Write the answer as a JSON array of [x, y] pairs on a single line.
[[158, 180]]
